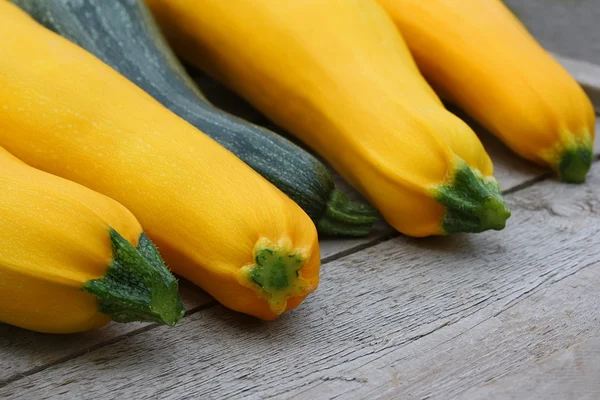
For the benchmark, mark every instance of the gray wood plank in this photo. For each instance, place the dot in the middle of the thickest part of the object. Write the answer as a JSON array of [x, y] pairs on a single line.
[[508, 340], [549, 309], [572, 374], [422, 312], [505, 339]]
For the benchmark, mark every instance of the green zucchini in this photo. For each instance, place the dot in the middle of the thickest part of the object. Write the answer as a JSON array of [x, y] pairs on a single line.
[[123, 34]]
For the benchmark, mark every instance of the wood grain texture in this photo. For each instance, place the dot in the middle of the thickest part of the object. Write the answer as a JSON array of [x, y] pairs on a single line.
[[572, 374], [505, 339], [550, 303], [431, 317]]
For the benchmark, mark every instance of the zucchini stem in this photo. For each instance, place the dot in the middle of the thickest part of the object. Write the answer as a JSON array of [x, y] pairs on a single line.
[[473, 202], [575, 163], [571, 157], [137, 285], [275, 273], [344, 217]]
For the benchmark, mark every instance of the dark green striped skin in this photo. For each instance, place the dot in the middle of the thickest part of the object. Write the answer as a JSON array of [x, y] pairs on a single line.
[[123, 34]]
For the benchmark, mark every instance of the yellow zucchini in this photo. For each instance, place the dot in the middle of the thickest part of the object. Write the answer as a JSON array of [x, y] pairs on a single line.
[[337, 75], [216, 221], [123, 35], [68, 257], [477, 55]]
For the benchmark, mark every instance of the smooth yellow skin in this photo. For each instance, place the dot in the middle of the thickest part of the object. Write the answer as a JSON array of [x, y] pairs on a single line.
[[54, 238], [64, 111], [476, 54], [337, 75]]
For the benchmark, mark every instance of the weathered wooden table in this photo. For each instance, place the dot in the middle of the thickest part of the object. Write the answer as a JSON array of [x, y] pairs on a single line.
[[471, 316], [510, 314]]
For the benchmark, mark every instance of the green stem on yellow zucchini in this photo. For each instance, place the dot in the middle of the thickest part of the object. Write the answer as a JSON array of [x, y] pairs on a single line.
[[575, 163], [472, 202], [137, 285], [275, 273]]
